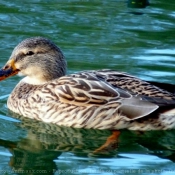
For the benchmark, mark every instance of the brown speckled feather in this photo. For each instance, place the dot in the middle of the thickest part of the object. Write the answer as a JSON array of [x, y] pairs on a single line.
[[134, 85]]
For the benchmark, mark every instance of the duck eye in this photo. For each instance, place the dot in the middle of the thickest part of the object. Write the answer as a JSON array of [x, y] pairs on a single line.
[[29, 53]]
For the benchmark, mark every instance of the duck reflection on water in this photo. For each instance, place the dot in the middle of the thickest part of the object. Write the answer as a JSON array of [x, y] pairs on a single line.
[[43, 146], [44, 143]]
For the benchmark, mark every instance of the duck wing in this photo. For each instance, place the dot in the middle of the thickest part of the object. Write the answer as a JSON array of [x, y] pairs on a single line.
[[86, 89], [137, 87], [166, 86]]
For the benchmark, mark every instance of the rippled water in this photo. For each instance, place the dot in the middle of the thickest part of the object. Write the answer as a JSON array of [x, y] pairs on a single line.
[[93, 35]]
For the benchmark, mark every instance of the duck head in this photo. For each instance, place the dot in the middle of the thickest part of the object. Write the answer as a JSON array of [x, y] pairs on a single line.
[[38, 59]]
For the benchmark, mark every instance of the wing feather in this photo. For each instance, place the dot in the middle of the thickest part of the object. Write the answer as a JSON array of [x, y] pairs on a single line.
[[86, 89], [137, 87]]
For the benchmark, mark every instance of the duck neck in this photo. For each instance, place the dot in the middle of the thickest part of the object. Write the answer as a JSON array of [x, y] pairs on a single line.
[[33, 81]]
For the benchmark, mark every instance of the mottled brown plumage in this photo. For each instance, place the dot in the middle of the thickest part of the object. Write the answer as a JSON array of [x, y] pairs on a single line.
[[103, 99]]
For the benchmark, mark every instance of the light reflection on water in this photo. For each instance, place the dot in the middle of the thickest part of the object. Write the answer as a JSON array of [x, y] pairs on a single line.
[[93, 35]]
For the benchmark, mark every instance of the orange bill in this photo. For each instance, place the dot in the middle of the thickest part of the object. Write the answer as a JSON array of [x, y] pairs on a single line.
[[8, 70]]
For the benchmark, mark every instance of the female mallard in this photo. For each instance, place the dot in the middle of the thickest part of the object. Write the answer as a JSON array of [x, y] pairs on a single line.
[[103, 99]]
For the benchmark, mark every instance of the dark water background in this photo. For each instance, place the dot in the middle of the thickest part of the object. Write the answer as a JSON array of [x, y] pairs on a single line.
[[93, 35]]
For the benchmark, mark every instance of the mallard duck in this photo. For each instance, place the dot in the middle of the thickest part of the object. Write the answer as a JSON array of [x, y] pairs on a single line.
[[99, 99]]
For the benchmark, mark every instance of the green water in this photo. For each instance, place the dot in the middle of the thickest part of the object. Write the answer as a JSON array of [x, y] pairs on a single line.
[[93, 35]]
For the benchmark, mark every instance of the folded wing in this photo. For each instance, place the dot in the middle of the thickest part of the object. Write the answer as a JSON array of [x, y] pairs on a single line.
[[85, 89]]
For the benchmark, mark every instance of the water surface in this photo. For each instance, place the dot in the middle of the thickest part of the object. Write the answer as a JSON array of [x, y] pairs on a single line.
[[92, 35]]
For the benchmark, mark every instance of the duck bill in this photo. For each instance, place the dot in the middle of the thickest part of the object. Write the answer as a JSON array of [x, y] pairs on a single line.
[[8, 70]]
